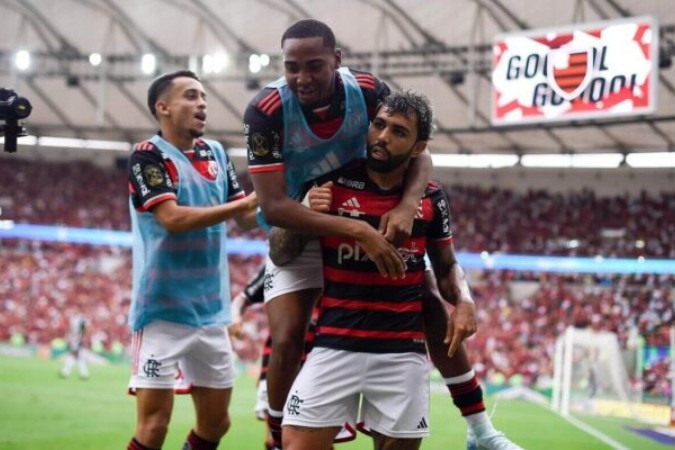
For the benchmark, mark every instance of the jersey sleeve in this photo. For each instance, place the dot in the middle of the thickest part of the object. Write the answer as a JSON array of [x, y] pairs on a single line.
[[149, 180], [234, 189], [374, 90], [263, 132], [440, 230]]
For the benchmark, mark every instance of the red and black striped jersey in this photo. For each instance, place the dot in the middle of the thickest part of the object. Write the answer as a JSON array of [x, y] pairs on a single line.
[[263, 120], [153, 177], [361, 310]]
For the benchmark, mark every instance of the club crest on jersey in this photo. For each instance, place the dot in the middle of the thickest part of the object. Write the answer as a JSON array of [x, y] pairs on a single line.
[[213, 169]]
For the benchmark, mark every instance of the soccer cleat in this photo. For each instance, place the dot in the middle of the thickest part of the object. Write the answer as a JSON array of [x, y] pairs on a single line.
[[261, 402], [471, 443], [495, 440]]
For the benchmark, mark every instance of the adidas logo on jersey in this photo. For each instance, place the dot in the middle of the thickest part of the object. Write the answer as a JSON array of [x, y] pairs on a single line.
[[423, 424], [352, 203], [350, 207]]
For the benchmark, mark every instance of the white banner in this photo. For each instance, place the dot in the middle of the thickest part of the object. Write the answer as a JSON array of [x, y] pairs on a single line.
[[585, 71]]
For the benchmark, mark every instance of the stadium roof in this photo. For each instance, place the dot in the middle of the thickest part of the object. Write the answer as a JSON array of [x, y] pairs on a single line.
[[424, 45]]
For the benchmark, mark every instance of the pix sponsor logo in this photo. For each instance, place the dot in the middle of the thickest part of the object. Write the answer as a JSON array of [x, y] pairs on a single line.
[[353, 252]]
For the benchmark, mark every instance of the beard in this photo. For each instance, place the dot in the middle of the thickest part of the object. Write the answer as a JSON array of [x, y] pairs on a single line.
[[196, 133], [387, 165]]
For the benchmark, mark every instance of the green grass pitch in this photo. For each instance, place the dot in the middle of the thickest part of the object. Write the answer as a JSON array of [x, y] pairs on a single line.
[[38, 410]]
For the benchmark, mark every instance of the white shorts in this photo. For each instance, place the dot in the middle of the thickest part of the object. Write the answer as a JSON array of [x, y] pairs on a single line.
[[347, 433], [304, 272], [163, 350], [391, 388]]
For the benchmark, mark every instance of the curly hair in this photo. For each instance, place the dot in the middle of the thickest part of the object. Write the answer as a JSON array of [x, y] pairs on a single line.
[[407, 102]]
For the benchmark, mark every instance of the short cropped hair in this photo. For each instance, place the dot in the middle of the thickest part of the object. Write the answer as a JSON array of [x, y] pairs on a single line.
[[407, 102], [160, 84], [308, 28]]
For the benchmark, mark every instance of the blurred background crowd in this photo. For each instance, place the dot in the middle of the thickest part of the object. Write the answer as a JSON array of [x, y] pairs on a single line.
[[520, 314]]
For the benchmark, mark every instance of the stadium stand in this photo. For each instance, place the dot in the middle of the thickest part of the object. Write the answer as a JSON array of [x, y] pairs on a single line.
[[44, 282]]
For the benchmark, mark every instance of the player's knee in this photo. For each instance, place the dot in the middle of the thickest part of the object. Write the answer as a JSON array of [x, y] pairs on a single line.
[[289, 339], [213, 428], [289, 347], [152, 432], [224, 425]]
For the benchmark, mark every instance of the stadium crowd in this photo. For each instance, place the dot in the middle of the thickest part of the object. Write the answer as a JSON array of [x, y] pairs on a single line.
[[520, 339], [44, 283], [576, 223]]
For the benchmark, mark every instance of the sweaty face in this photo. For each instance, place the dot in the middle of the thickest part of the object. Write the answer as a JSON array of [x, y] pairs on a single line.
[[309, 68], [391, 140], [186, 106]]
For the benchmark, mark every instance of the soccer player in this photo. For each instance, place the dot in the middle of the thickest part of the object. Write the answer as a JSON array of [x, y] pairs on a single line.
[[182, 189], [369, 347], [459, 376], [309, 122], [76, 330]]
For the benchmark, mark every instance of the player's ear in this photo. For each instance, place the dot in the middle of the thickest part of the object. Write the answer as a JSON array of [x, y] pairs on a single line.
[[162, 109], [419, 147], [338, 57]]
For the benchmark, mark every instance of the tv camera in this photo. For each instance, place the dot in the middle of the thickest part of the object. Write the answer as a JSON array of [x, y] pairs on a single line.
[[13, 109]]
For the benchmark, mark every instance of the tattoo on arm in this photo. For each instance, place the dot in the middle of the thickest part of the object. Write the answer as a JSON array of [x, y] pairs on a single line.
[[286, 245]]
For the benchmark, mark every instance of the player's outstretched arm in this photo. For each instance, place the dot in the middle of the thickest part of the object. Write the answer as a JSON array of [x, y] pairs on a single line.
[[248, 219], [176, 218]]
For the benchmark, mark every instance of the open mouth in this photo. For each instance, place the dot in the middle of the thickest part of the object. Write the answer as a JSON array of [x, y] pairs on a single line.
[[379, 153], [306, 92], [201, 116]]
